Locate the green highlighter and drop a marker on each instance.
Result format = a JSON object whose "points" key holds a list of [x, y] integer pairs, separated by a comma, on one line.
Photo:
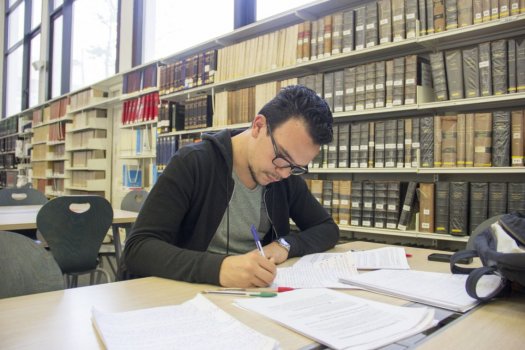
{"points": [[239, 292]]}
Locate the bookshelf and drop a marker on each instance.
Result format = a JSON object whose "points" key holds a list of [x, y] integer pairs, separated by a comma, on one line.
{"points": [[9, 135], [422, 44], [88, 144]]}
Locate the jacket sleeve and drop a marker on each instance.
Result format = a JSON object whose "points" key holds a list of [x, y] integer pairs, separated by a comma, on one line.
{"points": [[154, 247], [317, 230]]}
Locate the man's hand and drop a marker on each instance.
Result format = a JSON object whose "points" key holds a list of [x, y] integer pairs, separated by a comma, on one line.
{"points": [[275, 251], [247, 271]]}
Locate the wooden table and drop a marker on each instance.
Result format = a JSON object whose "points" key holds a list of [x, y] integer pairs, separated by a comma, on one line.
{"points": [[62, 319], [21, 217]]}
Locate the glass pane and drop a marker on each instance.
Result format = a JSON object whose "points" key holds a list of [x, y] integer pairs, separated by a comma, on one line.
{"points": [[14, 82], [167, 31], [57, 3], [36, 15], [94, 44], [268, 8], [34, 74], [11, 2], [15, 25], [56, 65]]}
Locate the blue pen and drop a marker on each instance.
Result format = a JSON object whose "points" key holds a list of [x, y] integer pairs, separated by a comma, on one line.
{"points": [[256, 239]]}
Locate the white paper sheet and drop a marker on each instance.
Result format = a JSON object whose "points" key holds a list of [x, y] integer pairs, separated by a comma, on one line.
{"points": [[339, 320], [196, 324]]}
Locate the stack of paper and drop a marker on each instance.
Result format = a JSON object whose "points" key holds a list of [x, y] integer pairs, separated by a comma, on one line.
{"points": [[433, 288], [196, 324], [339, 320]]}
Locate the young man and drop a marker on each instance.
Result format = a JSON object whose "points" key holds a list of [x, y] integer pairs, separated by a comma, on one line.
{"points": [[195, 224]]}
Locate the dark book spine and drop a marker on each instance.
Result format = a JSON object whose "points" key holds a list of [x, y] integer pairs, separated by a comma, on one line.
{"points": [[411, 17], [338, 91], [327, 196], [499, 66], [516, 197], [442, 207], [332, 149], [411, 78], [518, 133], [454, 64], [501, 138], [439, 76], [344, 145], [426, 132], [422, 4], [497, 198], [390, 143], [471, 71], [328, 87], [479, 204], [360, 22], [349, 86], [363, 145], [385, 21], [400, 143], [520, 60], [371, 144], [370, 89], [380, 203], [483, 140], [451, 14], [398, 20], [512, 68], [393, 204], [379, 157], [399, 81], [430, 16], [368, 204], [389, 84], [459, 208], [415, 148], [360, 85], [408, 206], [355, 140], [485, 69], [348, 31], [371, 23], [356, 203], [380, 87]]}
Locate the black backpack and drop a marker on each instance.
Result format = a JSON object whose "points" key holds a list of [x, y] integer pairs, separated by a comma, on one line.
{"points": [[508, 266]]}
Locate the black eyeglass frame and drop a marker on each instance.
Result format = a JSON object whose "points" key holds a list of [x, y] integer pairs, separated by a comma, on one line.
{"points": [[294, 169]]}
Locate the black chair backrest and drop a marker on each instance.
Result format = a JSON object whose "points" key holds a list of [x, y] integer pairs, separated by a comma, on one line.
{"points": [[133, 200], [74, 234], [21, 196], [26, 267]]}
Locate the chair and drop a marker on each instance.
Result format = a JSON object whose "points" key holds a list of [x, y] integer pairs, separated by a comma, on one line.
{"points": [[74, 228], [22, 196], [132, 201], [26, 267], [480, 228]]}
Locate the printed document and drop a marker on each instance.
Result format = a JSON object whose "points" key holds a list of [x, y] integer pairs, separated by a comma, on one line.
{"points": [[339, 320], [195, 324], [380, 258], [444, 290]]}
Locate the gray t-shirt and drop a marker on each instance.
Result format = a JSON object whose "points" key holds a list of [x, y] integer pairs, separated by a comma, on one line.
{"points": [[246, 208]]}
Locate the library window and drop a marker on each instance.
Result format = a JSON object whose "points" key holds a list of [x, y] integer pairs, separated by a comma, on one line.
{"points": [[56, 65], [170, 27], [94, 41], [14, 82], [34, 70], [36, 15], [268, 8]]}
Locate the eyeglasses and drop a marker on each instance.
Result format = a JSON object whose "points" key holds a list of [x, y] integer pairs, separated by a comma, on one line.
{"points": [[281, 162]]}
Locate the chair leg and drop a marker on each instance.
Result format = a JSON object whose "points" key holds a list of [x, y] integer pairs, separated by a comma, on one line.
{"points": [[103, 272]]}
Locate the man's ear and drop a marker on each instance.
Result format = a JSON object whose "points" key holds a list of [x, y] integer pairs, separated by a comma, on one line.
{"points": [[258, 124]]}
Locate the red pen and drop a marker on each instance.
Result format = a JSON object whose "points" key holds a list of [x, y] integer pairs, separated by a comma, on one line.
{"points": [[408, 255], [283, 289]]}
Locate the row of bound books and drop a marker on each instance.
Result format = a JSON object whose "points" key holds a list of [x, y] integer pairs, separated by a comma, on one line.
{"points": [[140, 109], [485, 139], [140, 79], [490, 68], [8, 126], [373, 85], [8, 144], [168, 145], [55, 110], [187, 73], [455, 208], [386, 21]]}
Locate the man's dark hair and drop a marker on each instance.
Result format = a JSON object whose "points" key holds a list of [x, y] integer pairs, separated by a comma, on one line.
{"points": [[297, 101]]}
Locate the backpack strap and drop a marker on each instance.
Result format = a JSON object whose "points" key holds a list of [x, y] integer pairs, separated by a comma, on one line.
{"points": [[461, 255], [474, 277]]}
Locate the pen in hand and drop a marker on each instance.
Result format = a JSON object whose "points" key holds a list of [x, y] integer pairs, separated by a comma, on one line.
{"points": [[256, 239]]}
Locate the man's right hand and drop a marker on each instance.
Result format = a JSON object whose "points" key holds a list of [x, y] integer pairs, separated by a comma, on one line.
{"points": [[247, 271]]}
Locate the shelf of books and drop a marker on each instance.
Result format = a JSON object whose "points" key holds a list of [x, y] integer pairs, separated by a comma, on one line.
{"points": [[9, 151], [48, 147], [436, 100], [88, 144], [136, 126]]}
